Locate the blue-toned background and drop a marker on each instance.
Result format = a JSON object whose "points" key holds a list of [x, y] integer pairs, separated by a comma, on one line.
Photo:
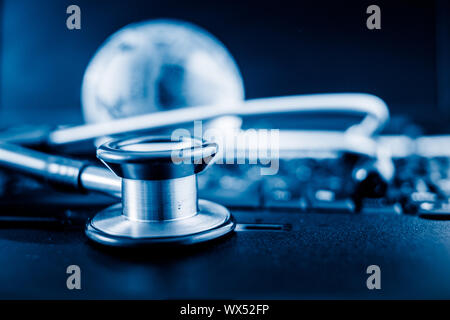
{"points": [[281, 47]]}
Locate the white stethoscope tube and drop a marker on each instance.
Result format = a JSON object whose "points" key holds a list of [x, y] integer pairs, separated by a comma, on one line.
{"points": [[375, 109]]}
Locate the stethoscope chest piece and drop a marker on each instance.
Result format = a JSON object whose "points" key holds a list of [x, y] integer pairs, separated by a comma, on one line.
{"points": [[159, 195]]}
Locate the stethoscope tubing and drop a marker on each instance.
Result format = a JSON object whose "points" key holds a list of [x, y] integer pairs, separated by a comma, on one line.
{"points": [[376, 111]]}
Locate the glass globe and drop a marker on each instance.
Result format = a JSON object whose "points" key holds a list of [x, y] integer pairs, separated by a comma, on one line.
{"points": [[158, 65]]}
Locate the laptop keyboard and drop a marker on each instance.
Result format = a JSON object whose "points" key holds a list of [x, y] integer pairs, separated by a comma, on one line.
{"points": [[420, 185]]}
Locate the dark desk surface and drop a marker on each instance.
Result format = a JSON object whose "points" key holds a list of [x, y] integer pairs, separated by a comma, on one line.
{"points": [[322, 256]]}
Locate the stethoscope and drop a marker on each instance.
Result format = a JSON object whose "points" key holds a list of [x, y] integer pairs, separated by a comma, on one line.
{"points": [[159, 194], [156, 179], [159, 202]]}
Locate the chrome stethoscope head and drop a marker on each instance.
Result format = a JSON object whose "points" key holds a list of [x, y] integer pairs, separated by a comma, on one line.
{"points": [[159, 194]]}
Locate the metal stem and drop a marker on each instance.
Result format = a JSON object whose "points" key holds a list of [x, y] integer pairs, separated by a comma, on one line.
{"points": [[158, 200], [64, 172]]}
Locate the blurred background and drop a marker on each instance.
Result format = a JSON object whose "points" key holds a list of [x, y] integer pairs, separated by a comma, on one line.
{"points": [[281, 48]]}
